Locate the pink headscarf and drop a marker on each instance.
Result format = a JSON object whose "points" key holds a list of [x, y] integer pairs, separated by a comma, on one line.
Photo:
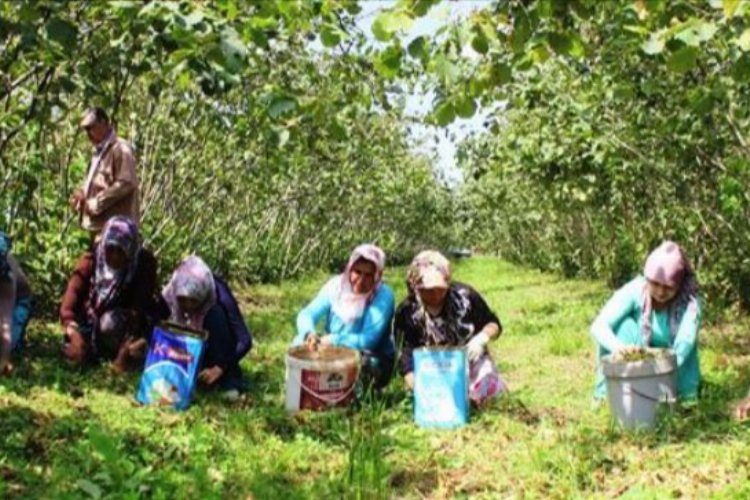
{"points": [[668, 266], [350, 306], [193, 279]]}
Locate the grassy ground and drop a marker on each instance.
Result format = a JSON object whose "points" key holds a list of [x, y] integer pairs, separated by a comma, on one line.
{"points": [[68, 434]]}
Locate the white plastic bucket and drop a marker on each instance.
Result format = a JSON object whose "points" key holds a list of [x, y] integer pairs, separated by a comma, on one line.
{"points": [[636, 389], [320, 379]]}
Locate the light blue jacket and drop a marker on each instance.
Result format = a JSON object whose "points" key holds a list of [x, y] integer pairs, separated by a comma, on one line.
{"points": [[372, 332]]}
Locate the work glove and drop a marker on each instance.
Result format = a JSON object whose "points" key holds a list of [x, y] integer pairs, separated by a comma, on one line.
{"points": [[477, 345]]}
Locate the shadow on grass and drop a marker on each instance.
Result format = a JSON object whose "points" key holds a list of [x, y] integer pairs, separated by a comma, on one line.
{"points": [[41, 365]]}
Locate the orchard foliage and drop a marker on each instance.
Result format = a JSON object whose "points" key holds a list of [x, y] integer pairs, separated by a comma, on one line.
{"points": [[265, 141], [624, 123], [271, 136]]}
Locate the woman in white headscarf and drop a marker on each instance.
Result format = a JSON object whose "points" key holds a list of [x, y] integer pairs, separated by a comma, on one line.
{"points": [[357, 309]]}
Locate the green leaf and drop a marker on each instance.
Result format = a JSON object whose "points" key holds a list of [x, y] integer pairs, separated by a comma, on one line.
{"points": [[418, 49], [539, 54], [730, 7], [566, 44], [702, 104], [560, 43], [330, 36], [91, 489], [479, 44], [623, 93], [282, 137], [521, 33], [233, 49], [697, 33], [195, 17], [380, 32], [353, 7], [743, 42], [477, 86], [654, 45], [683, 60], [62, 32], [445, 69], [545, 8], [465, 107], [444, 113], [421, 7], [500, 74], [741, 69], [388, 23], [123, 4], [338, 131], [388, 62], [280, 105]]}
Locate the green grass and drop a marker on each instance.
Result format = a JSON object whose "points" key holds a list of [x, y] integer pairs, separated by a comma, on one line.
{"points": [[65, 434]]}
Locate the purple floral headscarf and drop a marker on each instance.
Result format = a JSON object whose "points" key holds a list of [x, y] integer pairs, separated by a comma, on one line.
{"points": [[119, 232], [192, 279]]}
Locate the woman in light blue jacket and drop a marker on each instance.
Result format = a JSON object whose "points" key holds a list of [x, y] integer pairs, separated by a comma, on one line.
{"points": [[659, 309], [356, 308]]}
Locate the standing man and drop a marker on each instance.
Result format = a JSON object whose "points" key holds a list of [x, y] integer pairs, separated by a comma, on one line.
{"points": [[111, 186]]}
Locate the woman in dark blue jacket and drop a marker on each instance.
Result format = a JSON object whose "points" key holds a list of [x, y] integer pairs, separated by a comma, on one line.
{"points": [[197, 299]]}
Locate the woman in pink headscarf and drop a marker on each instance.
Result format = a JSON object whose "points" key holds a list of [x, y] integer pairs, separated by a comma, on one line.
{"points": [[356, 308], [659, 309]]}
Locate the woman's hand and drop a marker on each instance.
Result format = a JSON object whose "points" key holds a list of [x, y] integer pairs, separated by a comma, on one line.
{"points": [[75, 347], [409, 380], [137, 348], [477, 345], [209, 376], [312, 340], [6, 367], [76, 200]]}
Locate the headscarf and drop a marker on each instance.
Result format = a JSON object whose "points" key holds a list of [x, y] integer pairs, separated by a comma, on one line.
{"points": [[449, 328], [427, 264], [192, 279], [120, 232], [668, 266], [5, 245], [348, 305]]}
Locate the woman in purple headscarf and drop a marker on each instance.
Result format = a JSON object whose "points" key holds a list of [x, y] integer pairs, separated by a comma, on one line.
{"points": [[105, 309], [198, 299], [356, 309], [659, 309]]}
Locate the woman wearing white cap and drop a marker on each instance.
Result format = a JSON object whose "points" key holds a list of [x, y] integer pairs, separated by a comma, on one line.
{"points": [[439, 312]]}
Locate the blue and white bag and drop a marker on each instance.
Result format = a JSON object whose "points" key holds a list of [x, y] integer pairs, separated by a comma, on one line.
{"points": [[172, 363], [441, 387]]}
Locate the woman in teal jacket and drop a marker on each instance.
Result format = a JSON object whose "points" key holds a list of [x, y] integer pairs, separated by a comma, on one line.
{"points": [[659, 309], [357, 310]]}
